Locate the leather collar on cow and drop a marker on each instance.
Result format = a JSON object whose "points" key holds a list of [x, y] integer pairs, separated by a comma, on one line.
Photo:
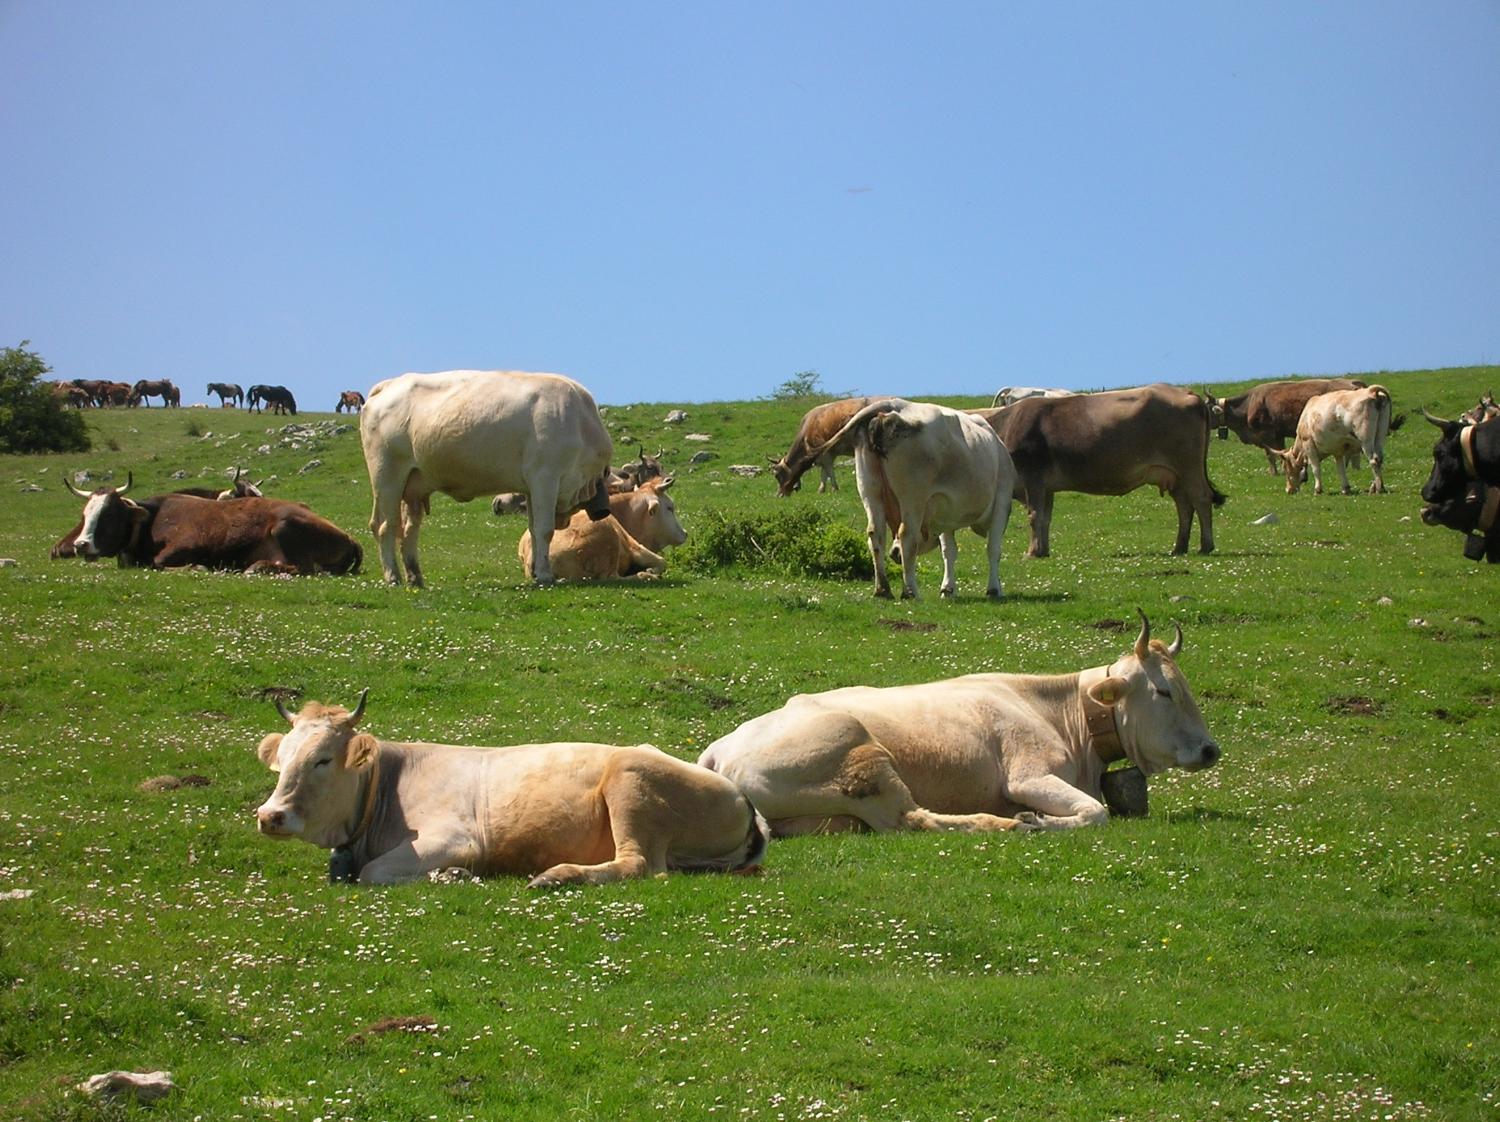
{"points": [[1104, 733], [1491, 506], [372, 793]]}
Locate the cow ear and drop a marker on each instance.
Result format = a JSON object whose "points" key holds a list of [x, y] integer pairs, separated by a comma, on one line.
{"points": [[1107, 691], [361, 751], [137, 511], [269, 747]]}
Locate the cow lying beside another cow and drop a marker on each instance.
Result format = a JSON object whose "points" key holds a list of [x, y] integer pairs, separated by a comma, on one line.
{"points": [[981, 752], [642, 524], [255, 534], [570, 813]]}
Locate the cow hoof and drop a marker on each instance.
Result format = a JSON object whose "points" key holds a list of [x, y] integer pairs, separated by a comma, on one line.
{"points": [[883, 594], [994, 594], [1027, 820], [908, 594]]}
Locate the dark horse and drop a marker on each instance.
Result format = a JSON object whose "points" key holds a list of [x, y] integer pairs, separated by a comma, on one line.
{"points": [[229, 393]]}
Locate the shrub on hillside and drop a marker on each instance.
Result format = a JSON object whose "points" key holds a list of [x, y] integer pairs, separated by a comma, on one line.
{"points": [[802, 541], [32, 418]]}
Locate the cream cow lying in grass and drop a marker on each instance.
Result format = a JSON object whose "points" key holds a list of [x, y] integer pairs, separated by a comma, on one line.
{"points": [[559, 813], [981, 752]]}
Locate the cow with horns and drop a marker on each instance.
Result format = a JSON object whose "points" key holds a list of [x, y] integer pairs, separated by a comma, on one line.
{"points": [[1463, 491]]}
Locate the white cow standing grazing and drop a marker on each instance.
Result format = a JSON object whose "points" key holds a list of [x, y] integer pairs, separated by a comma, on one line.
{"points": [[560, 813], [981, 752], [1340, 424], [478, 432], [926, 471]]}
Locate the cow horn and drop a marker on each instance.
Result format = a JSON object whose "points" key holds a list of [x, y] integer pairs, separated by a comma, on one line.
{"points": [[773, 459], [1438, 421], [665, 481], [281, 708], [68, 483], [1175, 647], [129, 479], [359, 710], [1143, 641]]}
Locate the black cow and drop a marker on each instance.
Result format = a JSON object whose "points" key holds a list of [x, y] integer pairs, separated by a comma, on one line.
{"points": [[252, 533], [278, 398], [1463, 491]]}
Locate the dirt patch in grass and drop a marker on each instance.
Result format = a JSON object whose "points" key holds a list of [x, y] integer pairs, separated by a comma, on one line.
{"points": [[173, 782], [282, 694], [1108, 625], [907, 624], [420, 1023], [1355, 706]]}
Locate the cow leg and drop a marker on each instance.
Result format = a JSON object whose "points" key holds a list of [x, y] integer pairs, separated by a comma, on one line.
{"points": [[1315, 465], [385, 519], [541, 515], [414, 859], [910, 534], [1341, 461], [1039, 514], [1274, 461], [413, 508], [870, 492], [949, 546], [827, 481], [1377, 462], [993, 541], [1057, 803], [1184, 520], [874, 792]]}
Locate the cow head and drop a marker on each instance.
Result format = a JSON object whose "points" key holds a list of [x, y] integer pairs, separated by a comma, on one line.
{"points": [[787, 480], [110, 520], [1449, 494], [1155, 713], [241, 488], [661, 511], [323, 765], [1295, 467]]}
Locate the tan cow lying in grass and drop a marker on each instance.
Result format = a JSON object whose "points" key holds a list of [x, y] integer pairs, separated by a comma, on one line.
{"points": [[559, 813], [981, 752], [642, 524], [1340, 424]]}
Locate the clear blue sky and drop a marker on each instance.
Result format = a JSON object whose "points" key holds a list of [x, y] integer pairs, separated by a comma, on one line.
{"points": [[695, 201]]}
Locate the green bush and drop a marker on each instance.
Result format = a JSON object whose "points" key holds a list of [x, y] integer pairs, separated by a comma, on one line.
{"points": [[32, 419], [803, 542]]}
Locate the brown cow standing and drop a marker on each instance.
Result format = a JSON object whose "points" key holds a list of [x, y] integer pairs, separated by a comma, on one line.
{"points": [[1267, 415], [1110, 443], [810, 446]]}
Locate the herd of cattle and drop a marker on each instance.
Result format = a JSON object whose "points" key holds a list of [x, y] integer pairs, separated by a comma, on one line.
{"points": [[1013, 751]]}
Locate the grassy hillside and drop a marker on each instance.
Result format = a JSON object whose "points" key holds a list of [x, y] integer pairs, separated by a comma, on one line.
{"points": [[1309, 930]]}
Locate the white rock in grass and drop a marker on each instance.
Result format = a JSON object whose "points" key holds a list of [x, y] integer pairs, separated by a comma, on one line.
{"points": [[749, 471], [145, 1086], [1266, 520], [1385, 601], [675, 417], [8, 562], [309, 466], [699, 437], [18, 894]]}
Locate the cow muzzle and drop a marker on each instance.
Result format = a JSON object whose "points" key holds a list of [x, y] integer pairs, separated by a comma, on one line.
{"points": [[276, 823], [1207, 755]]}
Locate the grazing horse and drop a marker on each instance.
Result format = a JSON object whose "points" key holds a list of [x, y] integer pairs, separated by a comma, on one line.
{"points": [[352, 400], [160, 387], [278, 398], [229, 393]]}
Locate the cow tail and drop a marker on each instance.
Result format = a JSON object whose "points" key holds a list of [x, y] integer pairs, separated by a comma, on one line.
{"points": [[359, 559], [1383, 403]]}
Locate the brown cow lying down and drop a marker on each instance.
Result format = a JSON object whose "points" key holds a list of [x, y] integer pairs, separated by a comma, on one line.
{"points": [[558, 813], [630, 542], [981, 752]]}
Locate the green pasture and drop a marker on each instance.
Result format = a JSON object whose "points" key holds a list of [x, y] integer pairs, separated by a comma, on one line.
{"points": [[1307, 931]]}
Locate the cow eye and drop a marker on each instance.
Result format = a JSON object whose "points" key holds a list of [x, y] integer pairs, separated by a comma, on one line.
{"points": [[1162, 691], [324, 762]]}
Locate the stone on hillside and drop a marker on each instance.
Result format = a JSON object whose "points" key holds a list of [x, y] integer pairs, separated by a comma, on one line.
{"points": [[1266, 520], [309, 466], [699, 437], [264, 449], [82, 477], [8, 562], [675, 417], [30, 487], [178, 474], [703, 457], [748, 471], [144, 1086]]}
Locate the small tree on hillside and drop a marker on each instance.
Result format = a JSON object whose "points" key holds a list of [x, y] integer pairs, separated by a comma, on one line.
{"points": [[805, 383], [32, 418]]}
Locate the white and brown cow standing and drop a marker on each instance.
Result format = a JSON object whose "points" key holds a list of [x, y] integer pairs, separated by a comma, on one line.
{"points": [[813, 445], [926, 471], [569, 813], [642, 524], [1341, 424], [981, 752], [479, 432]]}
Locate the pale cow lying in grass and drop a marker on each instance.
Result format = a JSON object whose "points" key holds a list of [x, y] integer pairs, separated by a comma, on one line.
{"points": [[560, 813], [630, 542], [981, 752], [1340, 424]]}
